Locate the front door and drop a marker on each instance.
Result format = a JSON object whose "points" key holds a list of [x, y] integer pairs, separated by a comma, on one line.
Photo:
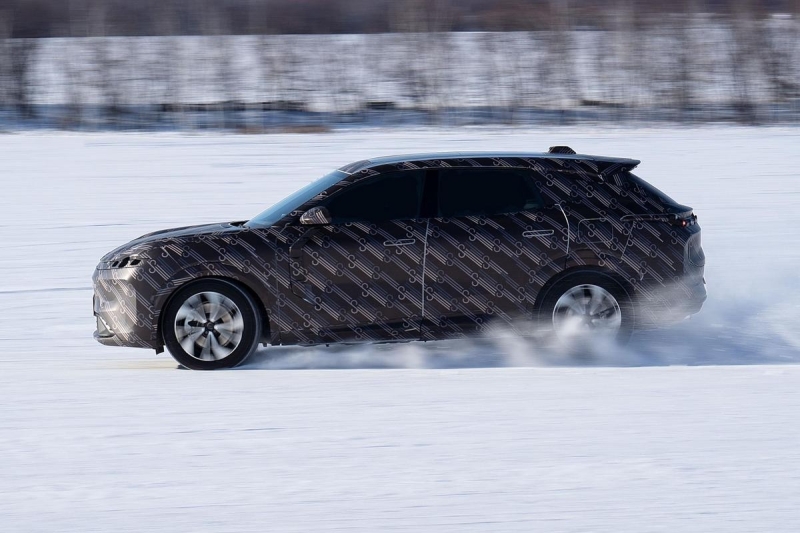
{"points": [[492, 246], [360, 278]]}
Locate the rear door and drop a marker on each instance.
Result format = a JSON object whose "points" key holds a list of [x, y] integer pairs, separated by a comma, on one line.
{"points": [[492, 244]]}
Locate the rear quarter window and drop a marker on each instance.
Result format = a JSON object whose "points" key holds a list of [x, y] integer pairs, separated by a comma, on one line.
{"points": [[643, 189]]}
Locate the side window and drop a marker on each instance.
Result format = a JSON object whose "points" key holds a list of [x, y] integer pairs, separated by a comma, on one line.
{"points": [[486, 191], [390, 196]]}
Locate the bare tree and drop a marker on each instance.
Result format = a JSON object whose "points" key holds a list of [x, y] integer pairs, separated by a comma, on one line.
{"points": [[742, 44], [492, 56], [108, 64], [777, 49], [517, 72], [685, 67], [5, 59], [23, 56], [410, 18], [428, 51], [17, 58], [558, 70], [166, 67], [268, 62]]}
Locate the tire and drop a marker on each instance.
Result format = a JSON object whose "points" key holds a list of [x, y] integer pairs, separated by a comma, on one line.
{"points": [[587, 307], [211, 324]]}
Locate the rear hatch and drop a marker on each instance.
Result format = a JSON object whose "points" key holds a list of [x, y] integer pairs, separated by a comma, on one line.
{"points": [[676, 213]]}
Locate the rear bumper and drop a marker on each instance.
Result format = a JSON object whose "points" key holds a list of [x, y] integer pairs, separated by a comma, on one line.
{"points": [[670, 304], [697, 297]]}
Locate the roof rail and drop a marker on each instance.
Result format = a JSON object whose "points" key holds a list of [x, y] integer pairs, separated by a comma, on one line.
{"points": [[561, 150]]}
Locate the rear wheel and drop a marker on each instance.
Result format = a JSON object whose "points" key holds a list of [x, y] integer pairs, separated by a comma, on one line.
{"points": [[587, 307], [211, 324]]}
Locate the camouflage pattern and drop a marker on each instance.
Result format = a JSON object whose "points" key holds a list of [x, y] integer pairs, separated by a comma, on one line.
{"points": [[425, 278]]}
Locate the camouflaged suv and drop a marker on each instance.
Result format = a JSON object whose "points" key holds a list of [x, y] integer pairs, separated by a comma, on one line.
{"points": [[415, 247]]}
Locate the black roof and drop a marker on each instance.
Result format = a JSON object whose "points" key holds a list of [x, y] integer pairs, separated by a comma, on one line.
{"points": [[449, 156]]}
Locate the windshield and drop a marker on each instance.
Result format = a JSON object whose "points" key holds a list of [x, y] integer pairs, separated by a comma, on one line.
{"points": [[293, 201]]}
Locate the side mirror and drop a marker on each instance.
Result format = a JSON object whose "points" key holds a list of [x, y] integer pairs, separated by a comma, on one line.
{"points": [[315, 216]]}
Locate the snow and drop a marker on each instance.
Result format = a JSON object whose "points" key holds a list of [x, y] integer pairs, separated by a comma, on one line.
{"points": [[689, 429]]}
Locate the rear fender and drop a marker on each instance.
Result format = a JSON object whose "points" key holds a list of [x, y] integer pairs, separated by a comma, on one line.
{"points": [[624, 283]]}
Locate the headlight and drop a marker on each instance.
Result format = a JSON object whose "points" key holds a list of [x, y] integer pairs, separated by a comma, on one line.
{"points": [[121, 262]]}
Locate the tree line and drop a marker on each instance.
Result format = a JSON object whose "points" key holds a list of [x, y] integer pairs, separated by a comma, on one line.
{"points": [[84, 18], [738, 64]]}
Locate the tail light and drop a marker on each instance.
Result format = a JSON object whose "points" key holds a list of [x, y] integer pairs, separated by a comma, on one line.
{"points": [[684, 220]]}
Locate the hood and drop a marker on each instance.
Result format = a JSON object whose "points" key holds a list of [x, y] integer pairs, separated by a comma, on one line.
{"points": [[148, 240], [188, 231]]}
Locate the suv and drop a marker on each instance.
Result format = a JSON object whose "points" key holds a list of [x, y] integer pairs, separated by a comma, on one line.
{"points": [[415, 247]]}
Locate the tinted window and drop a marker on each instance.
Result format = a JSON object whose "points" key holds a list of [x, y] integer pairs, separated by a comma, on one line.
{"points": [[486, 191], [391, 196]]}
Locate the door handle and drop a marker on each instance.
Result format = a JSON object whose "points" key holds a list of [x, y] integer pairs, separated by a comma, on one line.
{"points": [[538, 233], [400, 242]]}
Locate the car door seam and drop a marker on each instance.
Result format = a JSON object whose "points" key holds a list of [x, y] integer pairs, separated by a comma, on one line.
{"points": [[566, 218], [424, 262]]}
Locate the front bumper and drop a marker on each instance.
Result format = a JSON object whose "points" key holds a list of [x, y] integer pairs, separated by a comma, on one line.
{"points": [[103, 330], [122, 312]]}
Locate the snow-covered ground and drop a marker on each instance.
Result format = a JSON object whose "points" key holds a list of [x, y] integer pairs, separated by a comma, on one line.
{"points": [[689, 429]]}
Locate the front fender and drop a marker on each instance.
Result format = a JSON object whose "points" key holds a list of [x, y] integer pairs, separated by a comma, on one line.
{"points": [[257, 283]]}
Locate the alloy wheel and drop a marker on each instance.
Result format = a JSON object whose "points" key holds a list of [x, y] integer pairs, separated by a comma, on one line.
{"points": [[209, 326], [587, 311]]}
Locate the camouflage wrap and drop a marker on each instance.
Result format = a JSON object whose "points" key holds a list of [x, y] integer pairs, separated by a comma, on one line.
{"points": [[417, 279]]}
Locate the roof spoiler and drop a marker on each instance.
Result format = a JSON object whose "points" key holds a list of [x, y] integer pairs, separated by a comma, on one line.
{"points": [[609, 167]]}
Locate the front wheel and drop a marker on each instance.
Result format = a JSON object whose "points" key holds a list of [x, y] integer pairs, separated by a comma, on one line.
{"points": [[211, 324], [587, 307]]}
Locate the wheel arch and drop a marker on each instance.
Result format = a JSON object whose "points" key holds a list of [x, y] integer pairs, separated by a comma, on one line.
{"points": [[266, 327], [575, 271]]}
